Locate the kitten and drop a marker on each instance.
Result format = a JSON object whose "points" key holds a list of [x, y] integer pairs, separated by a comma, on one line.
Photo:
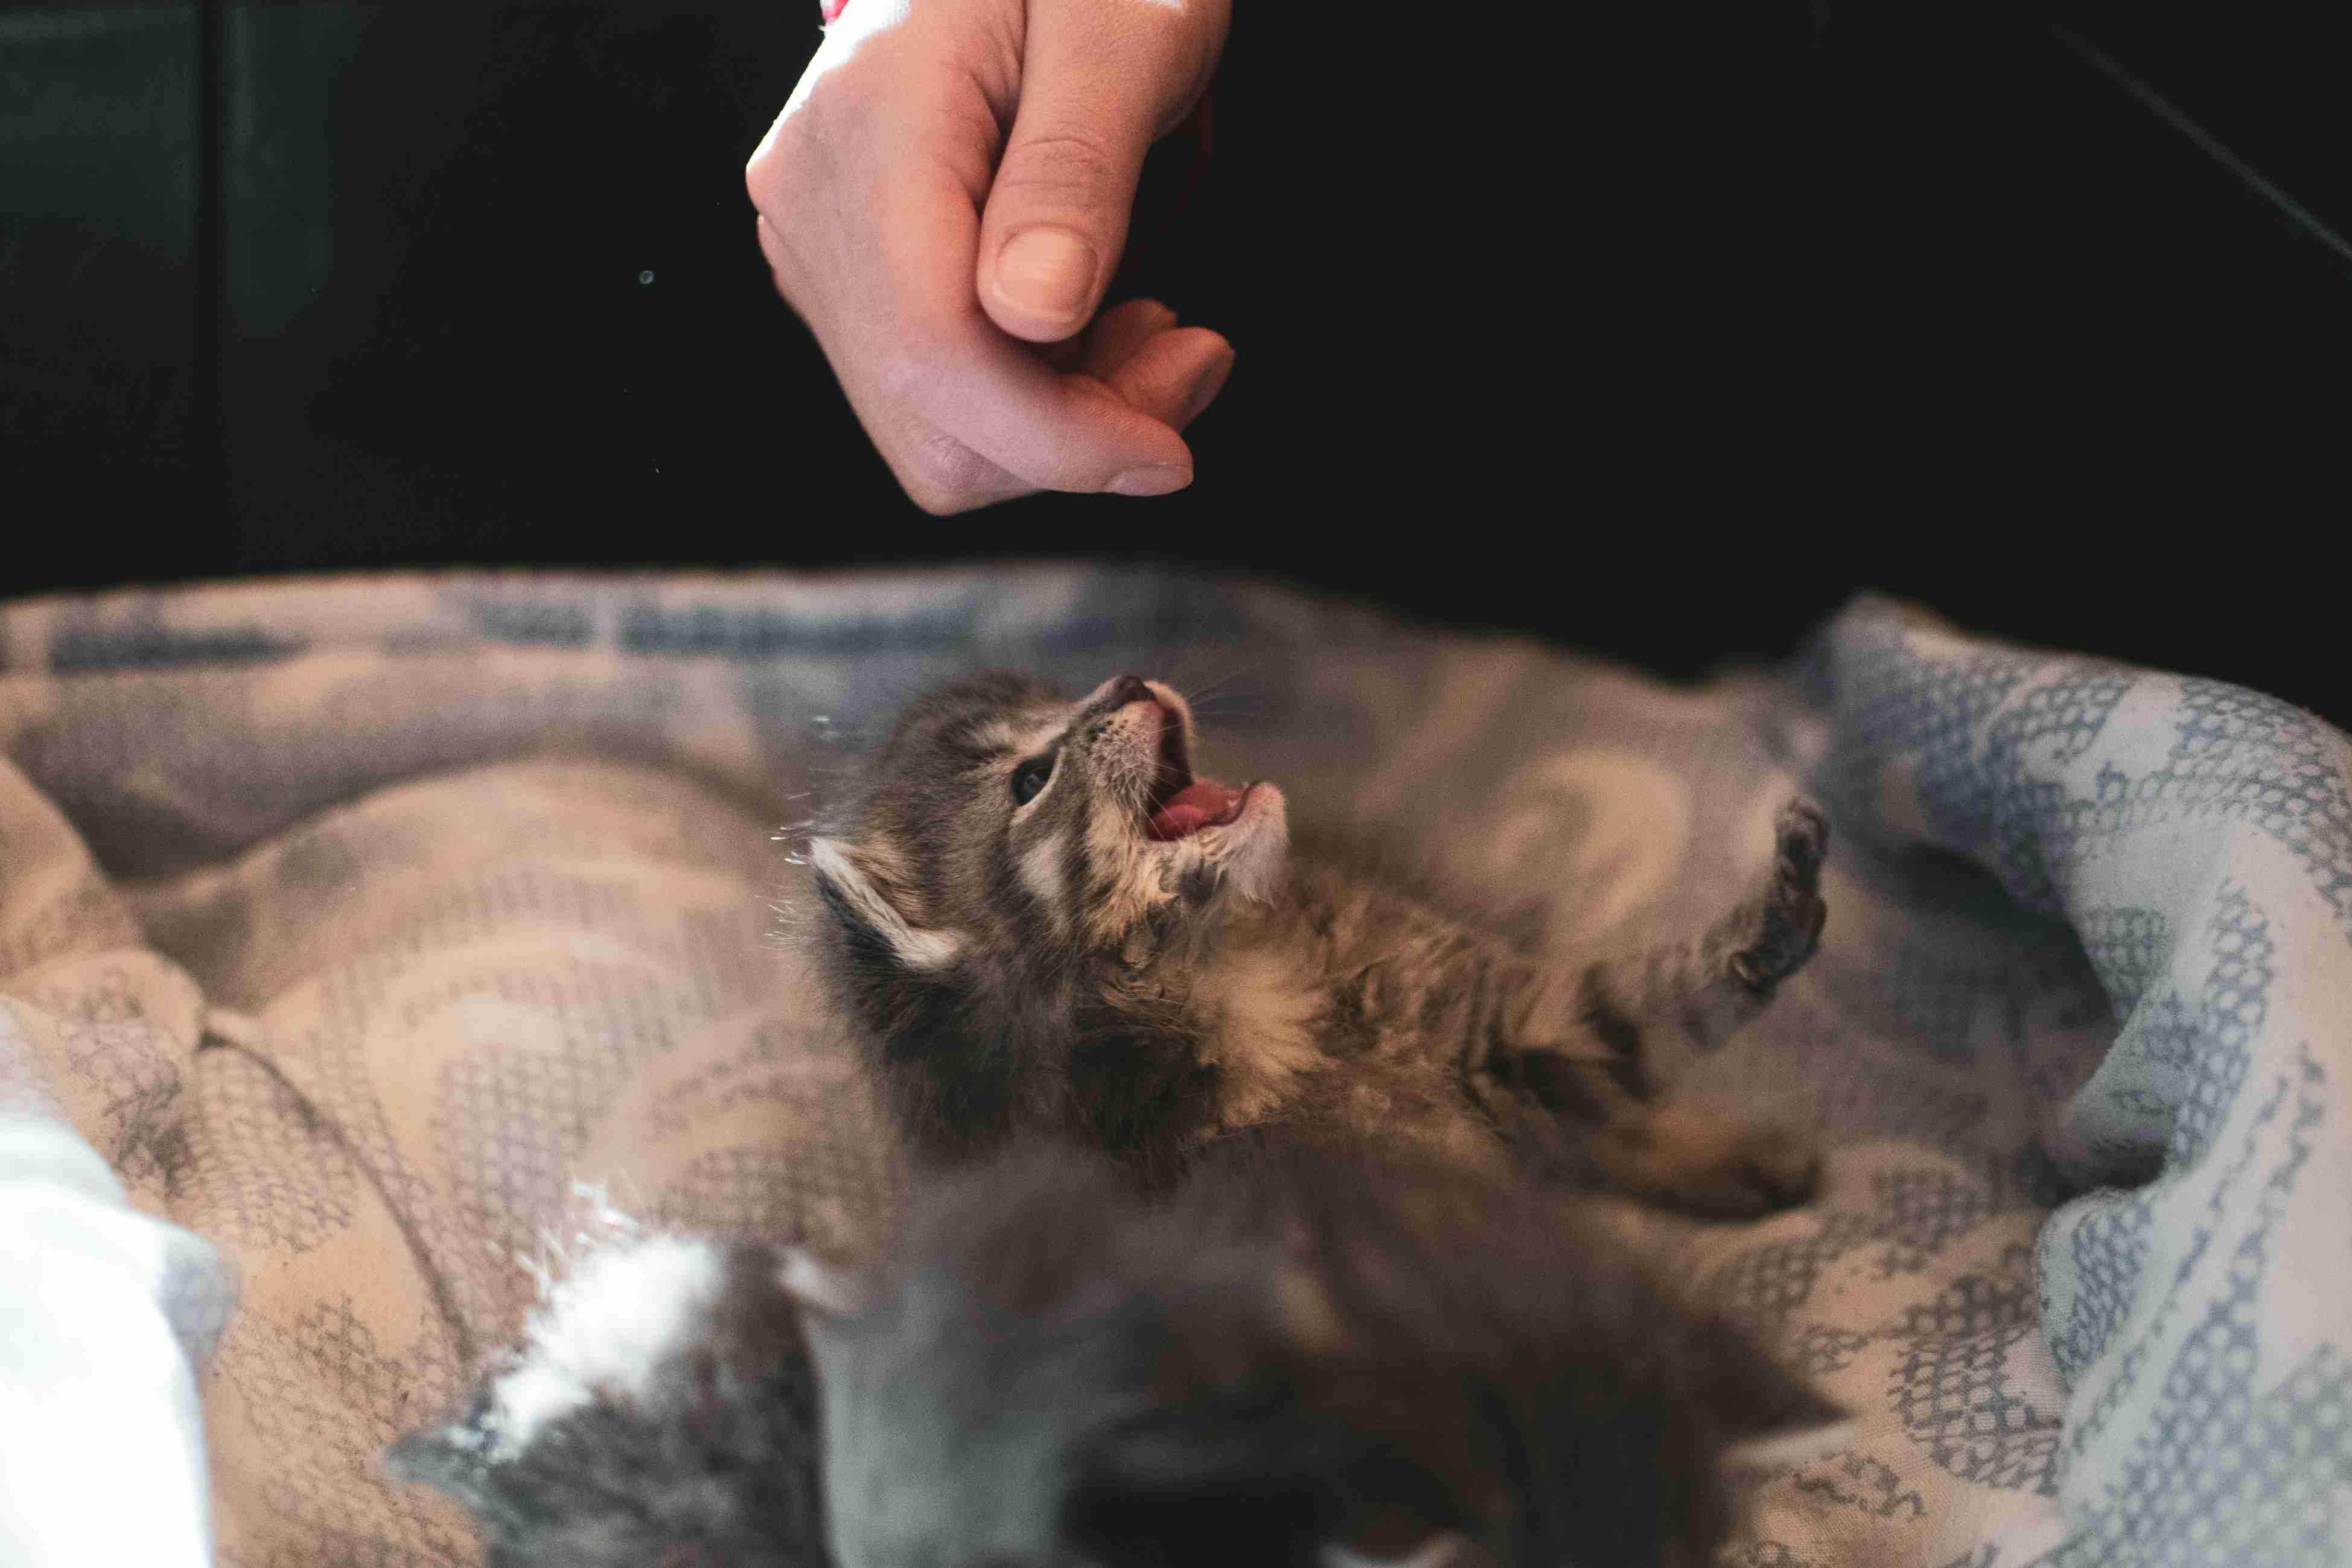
{"points": [[1303, 1355], [1045, 920], [1300, 1356], [660, 1412]]}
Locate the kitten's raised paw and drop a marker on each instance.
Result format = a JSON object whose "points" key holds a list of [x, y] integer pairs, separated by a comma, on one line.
{"points": [[1790, 913]]}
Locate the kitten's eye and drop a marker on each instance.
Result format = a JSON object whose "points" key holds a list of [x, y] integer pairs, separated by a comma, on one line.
{"points": [[1030, 778]]}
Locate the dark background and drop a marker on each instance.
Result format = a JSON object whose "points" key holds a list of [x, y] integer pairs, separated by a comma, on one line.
{"points": [[1655, 331]]}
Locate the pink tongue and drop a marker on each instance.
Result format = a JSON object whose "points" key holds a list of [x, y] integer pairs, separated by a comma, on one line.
{"points": [[1188, 809]]}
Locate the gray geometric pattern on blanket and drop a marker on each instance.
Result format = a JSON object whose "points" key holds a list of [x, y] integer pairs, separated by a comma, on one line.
{"points": [[2226, 1471], [112, 1046], [795, 1194], [324, 1402], [2237, 754], [1950, 1382], [1858, 1481], [1977, 792], [514, 1120], [1912, 1215], [1955, 1396], [2212, 1421], [2128, 948], [2110, 1242], [274, 1175], [2242, 755]]}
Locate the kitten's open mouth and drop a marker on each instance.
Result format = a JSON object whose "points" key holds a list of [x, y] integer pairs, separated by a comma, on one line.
{"points": [[1180, 804]]}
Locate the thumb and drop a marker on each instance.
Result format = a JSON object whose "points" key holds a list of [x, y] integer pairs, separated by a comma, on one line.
{"points": [[1094, 92]]}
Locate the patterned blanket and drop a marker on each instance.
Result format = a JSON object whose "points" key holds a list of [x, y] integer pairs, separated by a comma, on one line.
{"points": [[364, 926]]}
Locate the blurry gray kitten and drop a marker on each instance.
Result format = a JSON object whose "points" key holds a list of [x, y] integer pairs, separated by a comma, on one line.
{"points": [[1045, 920], [1300, 1356], [660, 1412]]}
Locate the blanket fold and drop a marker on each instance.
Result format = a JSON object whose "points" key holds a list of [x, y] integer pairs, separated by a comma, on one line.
{"points": [[2197, 837]]}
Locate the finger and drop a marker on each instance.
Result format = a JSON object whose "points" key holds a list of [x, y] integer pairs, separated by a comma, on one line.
{"points": [[1174, 375], [881, 270], [771, 244], [1051, 429], [938, 472], [1120, 331], [1095, 83], [943, 370], [1166, 374]]}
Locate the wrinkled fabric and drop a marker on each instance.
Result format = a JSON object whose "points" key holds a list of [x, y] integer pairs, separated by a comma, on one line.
{"points": [[108, 1310], [369, 928]]}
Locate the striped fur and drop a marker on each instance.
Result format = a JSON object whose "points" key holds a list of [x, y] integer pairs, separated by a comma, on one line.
{"points": [[1049, 965]]}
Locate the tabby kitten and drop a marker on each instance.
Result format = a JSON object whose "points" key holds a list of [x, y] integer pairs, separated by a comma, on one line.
{"points": [[1045, 920]]}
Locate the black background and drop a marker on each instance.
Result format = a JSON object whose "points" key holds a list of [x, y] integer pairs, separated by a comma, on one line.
{"points": [[1657, 332]]}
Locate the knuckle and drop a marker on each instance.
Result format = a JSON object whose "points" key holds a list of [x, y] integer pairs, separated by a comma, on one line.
{"points": [[803, 219], [939, 503], [760, 170], [774, 163], [1071, 165], [810, 145], [785, 272], [943, 474]]}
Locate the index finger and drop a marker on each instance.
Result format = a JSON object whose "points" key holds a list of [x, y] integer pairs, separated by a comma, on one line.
{"points": [[954, 370]]}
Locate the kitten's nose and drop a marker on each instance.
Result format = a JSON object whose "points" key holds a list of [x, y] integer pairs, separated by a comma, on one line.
{"points": [[1130, 688]]}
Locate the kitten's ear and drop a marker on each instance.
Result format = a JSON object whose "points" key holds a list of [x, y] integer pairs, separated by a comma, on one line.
{"points": [[860, 899]]}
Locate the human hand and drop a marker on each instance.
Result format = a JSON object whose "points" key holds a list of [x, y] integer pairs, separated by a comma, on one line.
{"points": [[954, 290]]}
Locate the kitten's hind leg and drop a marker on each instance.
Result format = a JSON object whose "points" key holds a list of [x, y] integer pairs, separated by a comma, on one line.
{"points": [[1634, 1023], [1705, 1165]]}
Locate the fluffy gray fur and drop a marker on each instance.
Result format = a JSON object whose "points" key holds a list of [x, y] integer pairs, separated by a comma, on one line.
{"points": [[705, 1459], [1301, 1356], [1052, 965]]}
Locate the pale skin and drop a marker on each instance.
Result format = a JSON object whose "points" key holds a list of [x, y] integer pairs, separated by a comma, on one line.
{"points": [[944, 200]]}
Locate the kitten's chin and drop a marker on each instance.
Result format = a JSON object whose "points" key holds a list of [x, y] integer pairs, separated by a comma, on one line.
{"points": [[1253, 849]]}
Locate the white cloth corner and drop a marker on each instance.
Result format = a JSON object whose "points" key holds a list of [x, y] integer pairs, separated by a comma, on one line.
{"points": [[104, 1316]]}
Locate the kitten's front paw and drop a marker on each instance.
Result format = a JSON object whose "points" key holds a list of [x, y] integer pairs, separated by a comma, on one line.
{"points": [[1790, 912]]}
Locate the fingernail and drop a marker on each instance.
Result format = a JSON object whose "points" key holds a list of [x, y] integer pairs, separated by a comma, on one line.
{"points": [[1048, 272], [1205, 390], [1158, 479]]}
